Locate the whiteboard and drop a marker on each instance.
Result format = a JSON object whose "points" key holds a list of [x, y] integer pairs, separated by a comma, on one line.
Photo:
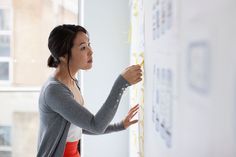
{"points": [[190, 78]]}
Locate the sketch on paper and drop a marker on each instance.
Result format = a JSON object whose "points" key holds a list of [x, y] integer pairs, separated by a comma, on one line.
{"points": [[163, 102], [162, 17]]}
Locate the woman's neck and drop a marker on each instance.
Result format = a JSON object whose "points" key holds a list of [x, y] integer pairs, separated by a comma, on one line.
{"points": [[62, 74]]}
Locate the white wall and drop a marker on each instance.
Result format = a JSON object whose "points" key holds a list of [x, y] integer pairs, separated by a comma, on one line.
{"points": [[107, 23]]}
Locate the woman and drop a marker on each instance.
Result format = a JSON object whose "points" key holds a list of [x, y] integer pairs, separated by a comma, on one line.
{"points": [[63, 117]]}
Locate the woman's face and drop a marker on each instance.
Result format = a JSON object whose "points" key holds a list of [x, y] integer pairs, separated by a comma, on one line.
{"points": [[81, 53]]}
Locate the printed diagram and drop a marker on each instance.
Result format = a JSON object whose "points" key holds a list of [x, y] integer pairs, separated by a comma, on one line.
{"points": [[162, 17], [163, 102], [198, 64]]}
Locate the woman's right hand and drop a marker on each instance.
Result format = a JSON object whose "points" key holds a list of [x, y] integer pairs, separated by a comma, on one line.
{"points": [[132, 74]]}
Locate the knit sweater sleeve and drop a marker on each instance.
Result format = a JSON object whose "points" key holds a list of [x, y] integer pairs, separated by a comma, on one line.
{"points": [[110, 129], [60, 100]]}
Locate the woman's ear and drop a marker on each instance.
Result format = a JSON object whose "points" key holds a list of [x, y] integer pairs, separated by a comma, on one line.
{"points": [[63, 59]]}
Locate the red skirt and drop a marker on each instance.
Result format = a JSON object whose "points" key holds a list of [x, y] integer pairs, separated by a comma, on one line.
{"points": [[71, 149]]}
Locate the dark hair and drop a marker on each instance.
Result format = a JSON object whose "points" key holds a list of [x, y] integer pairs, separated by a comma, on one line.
{"points": [[60, 42]]}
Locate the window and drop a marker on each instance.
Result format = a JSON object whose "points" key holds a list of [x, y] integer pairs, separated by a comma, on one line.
{"points": [[23, 67], [5, 45], [4, 19], [5, 141], [4, 70]]}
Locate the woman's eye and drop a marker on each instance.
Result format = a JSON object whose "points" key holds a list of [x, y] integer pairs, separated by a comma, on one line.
{"points": [[82, 48]]}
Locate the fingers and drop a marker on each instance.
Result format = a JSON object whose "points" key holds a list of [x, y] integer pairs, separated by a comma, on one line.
{"points": [[133, 122], [136, 67], [138, 74], [137, 80], [133, 74], [132, 112], [133, 109], [133, 115]]}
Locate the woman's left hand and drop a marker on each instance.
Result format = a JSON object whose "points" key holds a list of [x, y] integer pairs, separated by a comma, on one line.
{"points": [[128, 119]]}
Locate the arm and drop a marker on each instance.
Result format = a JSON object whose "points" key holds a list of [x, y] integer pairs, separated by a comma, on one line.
{"points": [[111, 128], [124, 124], [59, 99]]}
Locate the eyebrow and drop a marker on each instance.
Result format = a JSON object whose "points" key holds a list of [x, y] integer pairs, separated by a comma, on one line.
{"points": [[83, 43]]}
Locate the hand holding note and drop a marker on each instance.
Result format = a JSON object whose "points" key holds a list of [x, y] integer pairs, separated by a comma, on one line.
{"points": [[133, 74]]}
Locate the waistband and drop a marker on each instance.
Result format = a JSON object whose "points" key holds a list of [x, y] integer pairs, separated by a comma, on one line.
{"points": [[71, 149]]}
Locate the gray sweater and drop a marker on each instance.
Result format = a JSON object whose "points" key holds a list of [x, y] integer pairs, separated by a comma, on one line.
{"points": [[58, 109]]}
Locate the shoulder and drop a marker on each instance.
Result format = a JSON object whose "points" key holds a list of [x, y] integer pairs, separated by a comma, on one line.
{"points": [[54, 93], [54, 89]]}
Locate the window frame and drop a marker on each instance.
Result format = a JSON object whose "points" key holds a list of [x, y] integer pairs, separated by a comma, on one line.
{"points": [[8, 58]]}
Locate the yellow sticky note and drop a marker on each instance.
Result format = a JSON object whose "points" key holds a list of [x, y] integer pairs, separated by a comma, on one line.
{"points": [[141, 64]]}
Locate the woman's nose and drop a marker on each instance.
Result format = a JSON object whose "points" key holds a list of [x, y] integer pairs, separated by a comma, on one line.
{"points": [[90, 51]]}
